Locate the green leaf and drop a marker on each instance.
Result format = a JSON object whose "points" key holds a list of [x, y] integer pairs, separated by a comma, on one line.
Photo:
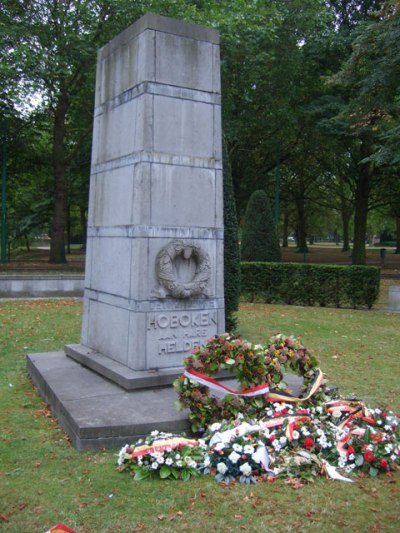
{"points": [[185, 475], [359, 460], [178, 405], [165, 472], [141, 474], [373, 471]]}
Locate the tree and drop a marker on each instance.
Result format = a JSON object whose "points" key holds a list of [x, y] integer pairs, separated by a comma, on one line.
{"points": [[231, 251], [50, 49], [259, 237], [370, 110]]}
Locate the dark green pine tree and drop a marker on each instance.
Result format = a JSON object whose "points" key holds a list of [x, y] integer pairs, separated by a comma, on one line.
{"points": [[259, 237], [231, 250]]}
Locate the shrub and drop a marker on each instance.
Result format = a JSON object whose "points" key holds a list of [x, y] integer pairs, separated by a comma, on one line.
{"points": [[231, 251], [305, 284], [259, 237]]}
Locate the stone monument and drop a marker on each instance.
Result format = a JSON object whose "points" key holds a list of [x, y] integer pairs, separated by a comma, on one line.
{"points": [[154, 270], [154, 267]]}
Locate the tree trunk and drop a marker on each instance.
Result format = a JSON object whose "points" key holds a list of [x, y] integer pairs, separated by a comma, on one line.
{"points": [[301, 225], [346, 215], [361, 215], [83, 226], [397, 251], [57, 243], [285, 229]]}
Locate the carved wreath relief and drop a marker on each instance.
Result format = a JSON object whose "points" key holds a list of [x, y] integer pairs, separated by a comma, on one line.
{"points": [[182, 269]]}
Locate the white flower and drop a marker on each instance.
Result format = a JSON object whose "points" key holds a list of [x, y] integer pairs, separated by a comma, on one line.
{"points": [[276, 446], [154, 433], [245, 469], [202, 444], [219, 446], [351, 457], [154, 465], [188, 459], [234, 457], [295, 435], [207, 461], [177, 456], [192, 464], [222, 468], [215, 427], [179, 464], [270, 412], [160, 460], [393, 457], [248, 448], [283, 441], [237, 447], [168, 461]]}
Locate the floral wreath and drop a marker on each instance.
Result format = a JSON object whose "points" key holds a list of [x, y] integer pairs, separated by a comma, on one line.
{"points": [[255, 367]]}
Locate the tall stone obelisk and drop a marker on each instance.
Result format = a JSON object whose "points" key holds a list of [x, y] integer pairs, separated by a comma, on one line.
{"points": [[154, 270]]}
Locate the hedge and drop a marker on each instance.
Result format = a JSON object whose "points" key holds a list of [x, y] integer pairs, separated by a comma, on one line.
{"points": [[307, 284]]}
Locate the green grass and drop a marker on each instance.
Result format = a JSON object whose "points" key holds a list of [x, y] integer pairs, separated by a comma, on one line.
{"points": [[43, 480]]}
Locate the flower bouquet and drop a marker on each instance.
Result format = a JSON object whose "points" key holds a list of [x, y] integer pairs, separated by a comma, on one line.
{"points": [[163, 455], [236, 451]]}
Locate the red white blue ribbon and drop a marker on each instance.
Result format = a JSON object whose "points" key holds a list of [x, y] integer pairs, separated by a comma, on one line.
{"points": [[215, 385]]}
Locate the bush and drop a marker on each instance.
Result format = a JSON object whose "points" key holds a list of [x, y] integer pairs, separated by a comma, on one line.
{"points": [[305, 284], [231, 250], [259, 237]]}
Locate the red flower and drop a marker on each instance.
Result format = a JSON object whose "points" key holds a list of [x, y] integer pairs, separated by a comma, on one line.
{"points": [[308, 443], [383, 464], [350, 450], [272, 438], [377, 437], [369, 456]]}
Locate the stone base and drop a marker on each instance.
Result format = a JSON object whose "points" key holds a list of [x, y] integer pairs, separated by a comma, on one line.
{"points": [[120, 374], [96, 413]]}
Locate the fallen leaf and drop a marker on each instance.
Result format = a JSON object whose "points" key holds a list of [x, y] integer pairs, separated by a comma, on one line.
{"points": [[40, 492], [22, 506], [295, 483], [3, 517], [161, 517], [139, 527]]}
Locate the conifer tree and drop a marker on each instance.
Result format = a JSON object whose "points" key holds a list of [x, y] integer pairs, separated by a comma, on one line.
{"points": [[259, 236], [231, 250]]}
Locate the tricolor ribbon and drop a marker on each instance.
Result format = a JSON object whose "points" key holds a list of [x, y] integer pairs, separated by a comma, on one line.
{"points": [[279, 396], [162, 445], [273, 395], [215, 385]]}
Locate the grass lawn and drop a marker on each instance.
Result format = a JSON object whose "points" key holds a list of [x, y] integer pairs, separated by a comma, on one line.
{"points": [[43, 480]]}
